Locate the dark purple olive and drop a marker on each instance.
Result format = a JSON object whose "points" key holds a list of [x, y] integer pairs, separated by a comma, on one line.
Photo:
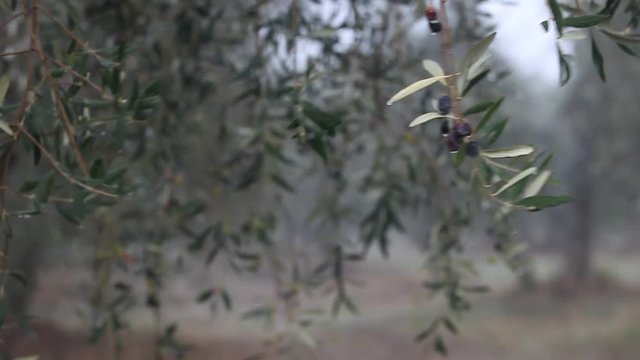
{"points": [[444, 104], [473, 148], [453, 144], [444, 127], [435, 26], [461, 129]]}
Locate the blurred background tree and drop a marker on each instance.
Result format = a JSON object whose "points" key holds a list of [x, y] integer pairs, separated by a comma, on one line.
{"points": [[255, 137]]}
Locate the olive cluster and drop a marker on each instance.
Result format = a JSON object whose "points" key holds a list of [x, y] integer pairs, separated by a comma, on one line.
{"points": [[432, 17], [459, 133]]}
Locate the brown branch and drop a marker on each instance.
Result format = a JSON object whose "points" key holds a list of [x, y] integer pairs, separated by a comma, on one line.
{"points": [[24, 102], [23, 106], [449, 62], [15, 16], [76, 74], [13, 53], [72, 35], [58, 168], [66, 122]]}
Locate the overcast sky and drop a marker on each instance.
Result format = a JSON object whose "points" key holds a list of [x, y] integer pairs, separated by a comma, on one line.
{"points": [[521, 39]]}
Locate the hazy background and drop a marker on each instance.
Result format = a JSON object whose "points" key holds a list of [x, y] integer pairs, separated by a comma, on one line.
{"points": [[592, 128]]}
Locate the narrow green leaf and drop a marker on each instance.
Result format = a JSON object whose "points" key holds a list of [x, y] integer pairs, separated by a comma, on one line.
{"points": [[5, 127], [204, 296], [282, 183], [541, 202], [44, 188], [516, 179], [473, 82], [427, 117], [546, 162], [263, 311], [424, 334], [582, 21], [349, 304], [489, 114], [476, 52], [325, 120], [416, 86], [610, 8], [478, 108], [448, 323], [251, 174], [508, 152], [478, 289], [545, 25], [68, 215], [440, 346], [536, 185], [460, 155], [226, 300], [557, 14], [495, 131], [4, 86], [19, 277], [28, 186], [316, 141], [565, 68], [598, 61], [621, 37], [627, 50]]}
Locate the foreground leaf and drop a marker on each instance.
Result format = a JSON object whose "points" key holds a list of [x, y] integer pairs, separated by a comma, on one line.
{"points": [[583, 21], [476, 52], [516, 179], [598, 61], [541, 202], [557, 14], [434, 69], [537, 184], [565, 68], [5, 127], [4, 86], [418, 85], [427, 117], [489, 113], [621, 37], [508, 152]]}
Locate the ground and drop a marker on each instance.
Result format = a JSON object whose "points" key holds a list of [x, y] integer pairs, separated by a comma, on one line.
{"points": [[601, 323]]}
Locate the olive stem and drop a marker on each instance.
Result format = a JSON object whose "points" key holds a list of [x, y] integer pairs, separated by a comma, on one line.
{"points": [[449, 63]]}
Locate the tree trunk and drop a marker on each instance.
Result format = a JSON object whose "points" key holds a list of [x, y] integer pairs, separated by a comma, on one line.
{"points": [[578, 248]]}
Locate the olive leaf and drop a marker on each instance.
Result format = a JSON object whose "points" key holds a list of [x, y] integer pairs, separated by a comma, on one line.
{"points": [[536, 185], [508, 152], [418, 85], [427, 117], [476, 52], [516, 179], [434, 69]]}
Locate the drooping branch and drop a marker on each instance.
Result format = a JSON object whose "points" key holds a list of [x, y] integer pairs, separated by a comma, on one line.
{"points": [[449, 62]]}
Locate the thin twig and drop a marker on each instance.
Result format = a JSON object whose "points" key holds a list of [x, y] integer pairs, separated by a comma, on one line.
{"points": [[58, 168], [18, 52], [72, 35], [76, 74], [15, 16], [66, 122]]}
